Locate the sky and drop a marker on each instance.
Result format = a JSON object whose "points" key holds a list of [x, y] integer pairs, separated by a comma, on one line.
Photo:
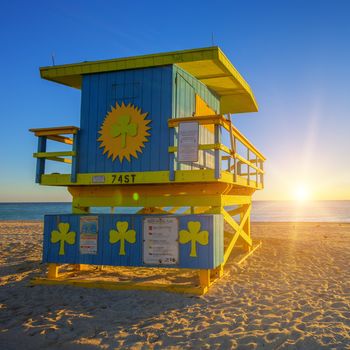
{"points": [[294, 54]]}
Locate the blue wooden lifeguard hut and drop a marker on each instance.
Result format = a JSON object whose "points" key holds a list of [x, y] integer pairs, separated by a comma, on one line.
{"points": [[156, 134]]}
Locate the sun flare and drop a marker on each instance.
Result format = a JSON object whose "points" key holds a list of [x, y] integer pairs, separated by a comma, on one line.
{"points": [[301, 192]]}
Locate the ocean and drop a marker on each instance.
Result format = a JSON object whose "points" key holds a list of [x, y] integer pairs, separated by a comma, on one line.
{"points": [[277, 211]]}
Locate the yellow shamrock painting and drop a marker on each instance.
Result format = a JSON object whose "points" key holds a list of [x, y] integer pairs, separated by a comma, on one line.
{"points": [[63, 236], [121, 235], [194, 235]]}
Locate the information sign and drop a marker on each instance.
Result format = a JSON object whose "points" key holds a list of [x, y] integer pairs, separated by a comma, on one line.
{"points": [[88, 234], [160, 241], [188, 142]]}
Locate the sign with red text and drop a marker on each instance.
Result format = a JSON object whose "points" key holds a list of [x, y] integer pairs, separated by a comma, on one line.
{"points": [[160, 241]]}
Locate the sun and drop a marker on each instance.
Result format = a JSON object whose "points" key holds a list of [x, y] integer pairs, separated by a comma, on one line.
{"points": [[301, 192], [124, 132]]}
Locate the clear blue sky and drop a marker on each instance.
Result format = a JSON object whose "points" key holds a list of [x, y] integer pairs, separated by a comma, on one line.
{"points": [[294, 54]]}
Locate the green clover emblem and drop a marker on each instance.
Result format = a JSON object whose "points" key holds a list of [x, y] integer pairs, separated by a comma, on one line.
{"points": [[194, 235], [63, 236], [122, 235], [124, 128]]}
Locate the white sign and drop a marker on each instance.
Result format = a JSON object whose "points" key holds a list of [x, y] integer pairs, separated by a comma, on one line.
{"points": [[88, 234], [160, 241], [98, 179], [188, 142]]}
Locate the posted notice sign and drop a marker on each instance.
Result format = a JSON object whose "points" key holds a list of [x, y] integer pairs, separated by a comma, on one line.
{"points": [[160, 241], [188, 142], [88, 234]]}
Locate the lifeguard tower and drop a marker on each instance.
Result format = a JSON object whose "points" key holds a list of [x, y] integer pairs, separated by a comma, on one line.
{"points": [[156, 134]]}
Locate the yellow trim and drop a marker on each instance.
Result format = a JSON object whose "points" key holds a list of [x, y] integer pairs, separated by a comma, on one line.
{"points": [[148, 177], [202, 120], [54, 154], [121, 285], [171, 195], [55, 130], [208, 65]]}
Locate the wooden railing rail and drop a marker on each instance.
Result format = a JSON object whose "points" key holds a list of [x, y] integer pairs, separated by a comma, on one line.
{"points": [[56, 134], [254, 159]]}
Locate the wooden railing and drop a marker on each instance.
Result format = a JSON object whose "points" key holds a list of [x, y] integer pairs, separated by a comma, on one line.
{"points": [[253, 159], [56, 134]]}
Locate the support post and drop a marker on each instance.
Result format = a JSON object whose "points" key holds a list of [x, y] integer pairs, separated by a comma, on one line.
{"points": [[52, 271], [217, 140], [81, 267], [219, 271], [248, 167], [235, 160], [171, 155], [74, 158], [40, 162], [204, 279]]}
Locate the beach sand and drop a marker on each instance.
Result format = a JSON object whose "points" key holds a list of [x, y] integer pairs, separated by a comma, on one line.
{"points": [[292, 293]]}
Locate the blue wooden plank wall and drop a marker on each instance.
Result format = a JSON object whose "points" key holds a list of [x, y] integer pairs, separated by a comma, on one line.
{"points": [[208, 256], [148, 88]]}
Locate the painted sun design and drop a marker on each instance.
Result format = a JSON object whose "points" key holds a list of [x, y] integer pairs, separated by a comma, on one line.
{"points": [[124, 132]]}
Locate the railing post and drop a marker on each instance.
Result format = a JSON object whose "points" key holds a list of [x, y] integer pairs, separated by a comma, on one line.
{"points": [[40, 163], [217, 140], [262, 174], [235, 159], [171, 155], [248, 167], [229, 164], [73, 177], [256, 173]]}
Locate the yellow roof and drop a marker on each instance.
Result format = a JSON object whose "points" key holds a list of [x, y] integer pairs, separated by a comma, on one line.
{"points": [[209, 65]]}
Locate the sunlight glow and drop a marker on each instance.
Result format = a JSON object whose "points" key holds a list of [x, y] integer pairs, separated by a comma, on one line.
{"points": [[301, 192]]}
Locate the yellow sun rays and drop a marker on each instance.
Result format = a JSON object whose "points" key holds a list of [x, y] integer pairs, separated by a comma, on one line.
{"points": [[124, 132]]}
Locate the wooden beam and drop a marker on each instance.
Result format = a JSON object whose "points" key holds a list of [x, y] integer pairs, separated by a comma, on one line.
{"points": [[205, 147], [63, 139], [53, 154], [202, 120], [236, 211], [250, 253], [62, 160], [55, 130], [230, 246], [239, 227], [245, 161]]}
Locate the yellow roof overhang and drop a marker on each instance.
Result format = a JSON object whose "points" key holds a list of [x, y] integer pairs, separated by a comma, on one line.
{"points": [[209, 65]]}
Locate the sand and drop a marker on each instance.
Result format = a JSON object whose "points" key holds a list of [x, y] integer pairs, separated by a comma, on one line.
{"points": [[292, 293]]}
